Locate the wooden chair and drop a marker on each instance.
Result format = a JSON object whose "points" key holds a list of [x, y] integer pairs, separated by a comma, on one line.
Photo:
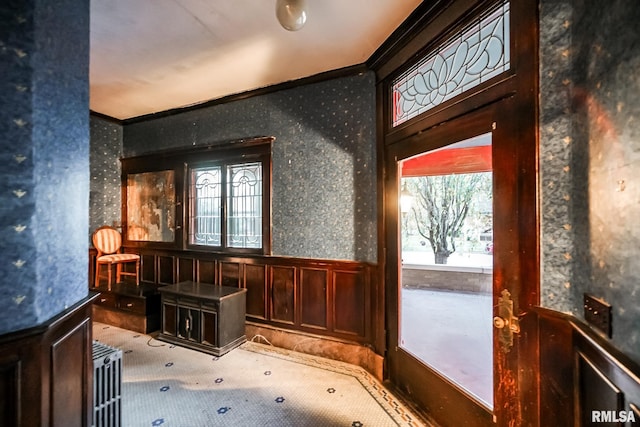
{"points": [[108, 241]]}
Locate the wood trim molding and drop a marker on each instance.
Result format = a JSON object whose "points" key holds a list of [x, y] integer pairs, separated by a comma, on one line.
{"points": [[46, 372], [581, 371]]}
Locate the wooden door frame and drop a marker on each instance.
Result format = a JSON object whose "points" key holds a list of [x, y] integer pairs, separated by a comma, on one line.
{"points": [[426, 28], [426, 387]]}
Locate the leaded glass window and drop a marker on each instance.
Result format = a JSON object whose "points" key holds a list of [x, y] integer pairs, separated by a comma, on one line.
{"points": [[244, 196], [206, 206], [471, 57], [226, 201]]}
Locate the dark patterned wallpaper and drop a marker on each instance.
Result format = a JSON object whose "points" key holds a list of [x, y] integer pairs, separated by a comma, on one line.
{"points": [[44, 148], [324, 175], [589, 153], [106, 151]]}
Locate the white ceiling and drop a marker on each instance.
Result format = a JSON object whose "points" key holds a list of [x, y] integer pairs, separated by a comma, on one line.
{"points": [[153, 55]]}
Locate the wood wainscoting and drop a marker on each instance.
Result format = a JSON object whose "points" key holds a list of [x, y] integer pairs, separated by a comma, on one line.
{"points": [[46, 372], [323, 298], [582, 372]]}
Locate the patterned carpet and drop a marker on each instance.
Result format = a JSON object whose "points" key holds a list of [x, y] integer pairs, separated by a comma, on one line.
{"points": [[253, 385]]}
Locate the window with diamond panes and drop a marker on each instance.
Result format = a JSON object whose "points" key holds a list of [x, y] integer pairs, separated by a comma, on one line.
{"points": [[471, 57]]}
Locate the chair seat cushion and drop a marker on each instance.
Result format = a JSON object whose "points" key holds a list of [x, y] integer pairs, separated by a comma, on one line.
{"points": [[118, 258]]}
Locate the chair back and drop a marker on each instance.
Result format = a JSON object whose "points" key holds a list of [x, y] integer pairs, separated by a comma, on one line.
{"points": [[107, 240]]}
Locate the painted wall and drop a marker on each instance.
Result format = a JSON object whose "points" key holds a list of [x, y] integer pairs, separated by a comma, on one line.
{"points": [[324, 175], [590, 160], [44, 151]]}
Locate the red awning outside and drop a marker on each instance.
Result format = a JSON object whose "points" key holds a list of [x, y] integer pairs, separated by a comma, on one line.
{"points": [[449, 161]]}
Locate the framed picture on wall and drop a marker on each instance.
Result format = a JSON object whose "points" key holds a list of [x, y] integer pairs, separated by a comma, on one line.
{"points": [[151, 206]]}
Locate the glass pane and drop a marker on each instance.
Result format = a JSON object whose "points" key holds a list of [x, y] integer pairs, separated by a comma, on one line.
{"points": [[151, 202], [244, 204], [446, 229], [205, 202], [474, 55]]}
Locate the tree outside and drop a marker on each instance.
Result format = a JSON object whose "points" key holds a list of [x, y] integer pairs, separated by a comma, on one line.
{"points": [[450, 212]]}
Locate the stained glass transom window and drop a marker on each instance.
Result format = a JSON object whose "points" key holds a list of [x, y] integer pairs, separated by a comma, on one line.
{"points": [[473, 56]]}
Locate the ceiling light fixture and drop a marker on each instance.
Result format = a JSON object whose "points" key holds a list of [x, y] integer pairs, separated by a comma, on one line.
{"points": [[292, 14]]}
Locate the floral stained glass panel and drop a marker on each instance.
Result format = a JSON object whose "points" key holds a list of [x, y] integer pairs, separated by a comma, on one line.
{"points": [[471, 57]]}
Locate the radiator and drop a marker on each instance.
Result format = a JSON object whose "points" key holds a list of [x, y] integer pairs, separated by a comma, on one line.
{"points": [[107, 386]]}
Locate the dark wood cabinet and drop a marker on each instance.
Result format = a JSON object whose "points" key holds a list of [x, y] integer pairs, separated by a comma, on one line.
{"points": [[203, 317], [128, 306]]}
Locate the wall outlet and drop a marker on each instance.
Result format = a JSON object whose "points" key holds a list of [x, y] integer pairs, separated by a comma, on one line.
{"points": [[598, 314]]}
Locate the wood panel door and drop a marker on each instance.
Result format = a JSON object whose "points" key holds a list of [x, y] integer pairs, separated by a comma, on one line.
{"points": [[453, 346]]}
